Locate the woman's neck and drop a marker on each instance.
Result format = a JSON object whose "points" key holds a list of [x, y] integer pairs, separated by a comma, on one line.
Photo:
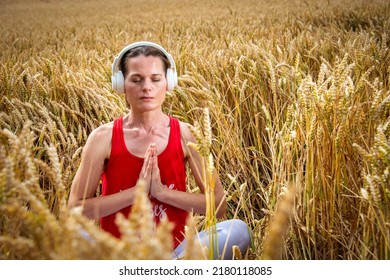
{"points": [[147, 121]]}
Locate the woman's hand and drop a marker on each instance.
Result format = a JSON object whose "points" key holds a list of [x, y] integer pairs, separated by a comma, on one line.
{"points": [[147, 167], [157, 189], [150, 173]]}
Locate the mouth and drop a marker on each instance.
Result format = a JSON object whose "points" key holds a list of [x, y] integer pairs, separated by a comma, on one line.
{"points": [[147, 98]]}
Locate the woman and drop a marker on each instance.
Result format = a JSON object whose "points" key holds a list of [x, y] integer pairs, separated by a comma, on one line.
{"points": [[147, 144]]}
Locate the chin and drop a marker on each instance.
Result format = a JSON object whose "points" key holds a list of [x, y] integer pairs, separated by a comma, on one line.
{"points": [[145, 109]]}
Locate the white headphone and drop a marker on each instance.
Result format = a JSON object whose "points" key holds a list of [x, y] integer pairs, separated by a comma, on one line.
{"points": [[117, 78]]}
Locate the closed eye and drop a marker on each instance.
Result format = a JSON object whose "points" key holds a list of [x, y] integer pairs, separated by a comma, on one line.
{"points": [[136, 78]]}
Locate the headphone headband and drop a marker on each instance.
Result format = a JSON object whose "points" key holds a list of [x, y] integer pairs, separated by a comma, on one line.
{"points": [[118, 84]]}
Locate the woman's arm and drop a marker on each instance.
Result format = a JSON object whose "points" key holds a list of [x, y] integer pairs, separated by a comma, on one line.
{"points": [[95, 152]]}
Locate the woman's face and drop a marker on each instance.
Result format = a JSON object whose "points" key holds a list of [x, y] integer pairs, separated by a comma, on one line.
{"points": [[145, 83]]}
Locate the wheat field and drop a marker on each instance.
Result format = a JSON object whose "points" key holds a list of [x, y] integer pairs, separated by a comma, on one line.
{"points": [[298, 96]]}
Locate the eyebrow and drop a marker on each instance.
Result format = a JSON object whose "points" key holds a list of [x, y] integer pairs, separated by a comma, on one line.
{"points": [[139, 75]]}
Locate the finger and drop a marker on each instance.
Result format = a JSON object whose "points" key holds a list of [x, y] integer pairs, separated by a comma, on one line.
{"points": [[145, 171], [152, 146], [150, 167], [156, 170], [145, 165]]}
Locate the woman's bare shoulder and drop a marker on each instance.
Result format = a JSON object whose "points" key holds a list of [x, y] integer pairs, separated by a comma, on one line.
{"points": [[99, 140], [186, 137], [185, 131], [103, 131]]}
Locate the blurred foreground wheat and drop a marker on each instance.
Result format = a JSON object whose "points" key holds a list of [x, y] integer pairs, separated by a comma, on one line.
{"points": [[31, 231]]}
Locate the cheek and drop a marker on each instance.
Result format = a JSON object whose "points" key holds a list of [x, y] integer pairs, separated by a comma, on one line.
{"points": [[129, 84], [164, 84], [132, 88]]}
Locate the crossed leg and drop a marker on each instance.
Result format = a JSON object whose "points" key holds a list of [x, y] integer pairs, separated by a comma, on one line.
{"points": [[229, 232]]}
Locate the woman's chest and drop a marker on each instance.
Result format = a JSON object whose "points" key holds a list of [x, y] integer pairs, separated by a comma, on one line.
{"points": [[137, 142]]}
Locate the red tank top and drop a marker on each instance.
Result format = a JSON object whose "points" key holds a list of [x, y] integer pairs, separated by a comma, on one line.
{"points": [[123, 169]]}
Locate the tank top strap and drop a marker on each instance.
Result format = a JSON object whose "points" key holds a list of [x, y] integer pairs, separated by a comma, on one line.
{"points": [[175, 137], [117, 136], [175, 130]]}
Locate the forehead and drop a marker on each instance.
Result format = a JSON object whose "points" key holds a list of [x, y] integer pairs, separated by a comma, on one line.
{"points": [[143, 63]]}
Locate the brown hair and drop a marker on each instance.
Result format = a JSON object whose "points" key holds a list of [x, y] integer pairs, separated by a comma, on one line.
{"points": [[142, 50]]}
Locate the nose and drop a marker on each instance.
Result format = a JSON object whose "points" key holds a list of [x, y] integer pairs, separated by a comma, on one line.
{"points": [[147, 85]]}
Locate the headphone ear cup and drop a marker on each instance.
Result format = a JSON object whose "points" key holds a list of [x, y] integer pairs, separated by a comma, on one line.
{"points": [[170, 80], [118, 83], [175, 82]]}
